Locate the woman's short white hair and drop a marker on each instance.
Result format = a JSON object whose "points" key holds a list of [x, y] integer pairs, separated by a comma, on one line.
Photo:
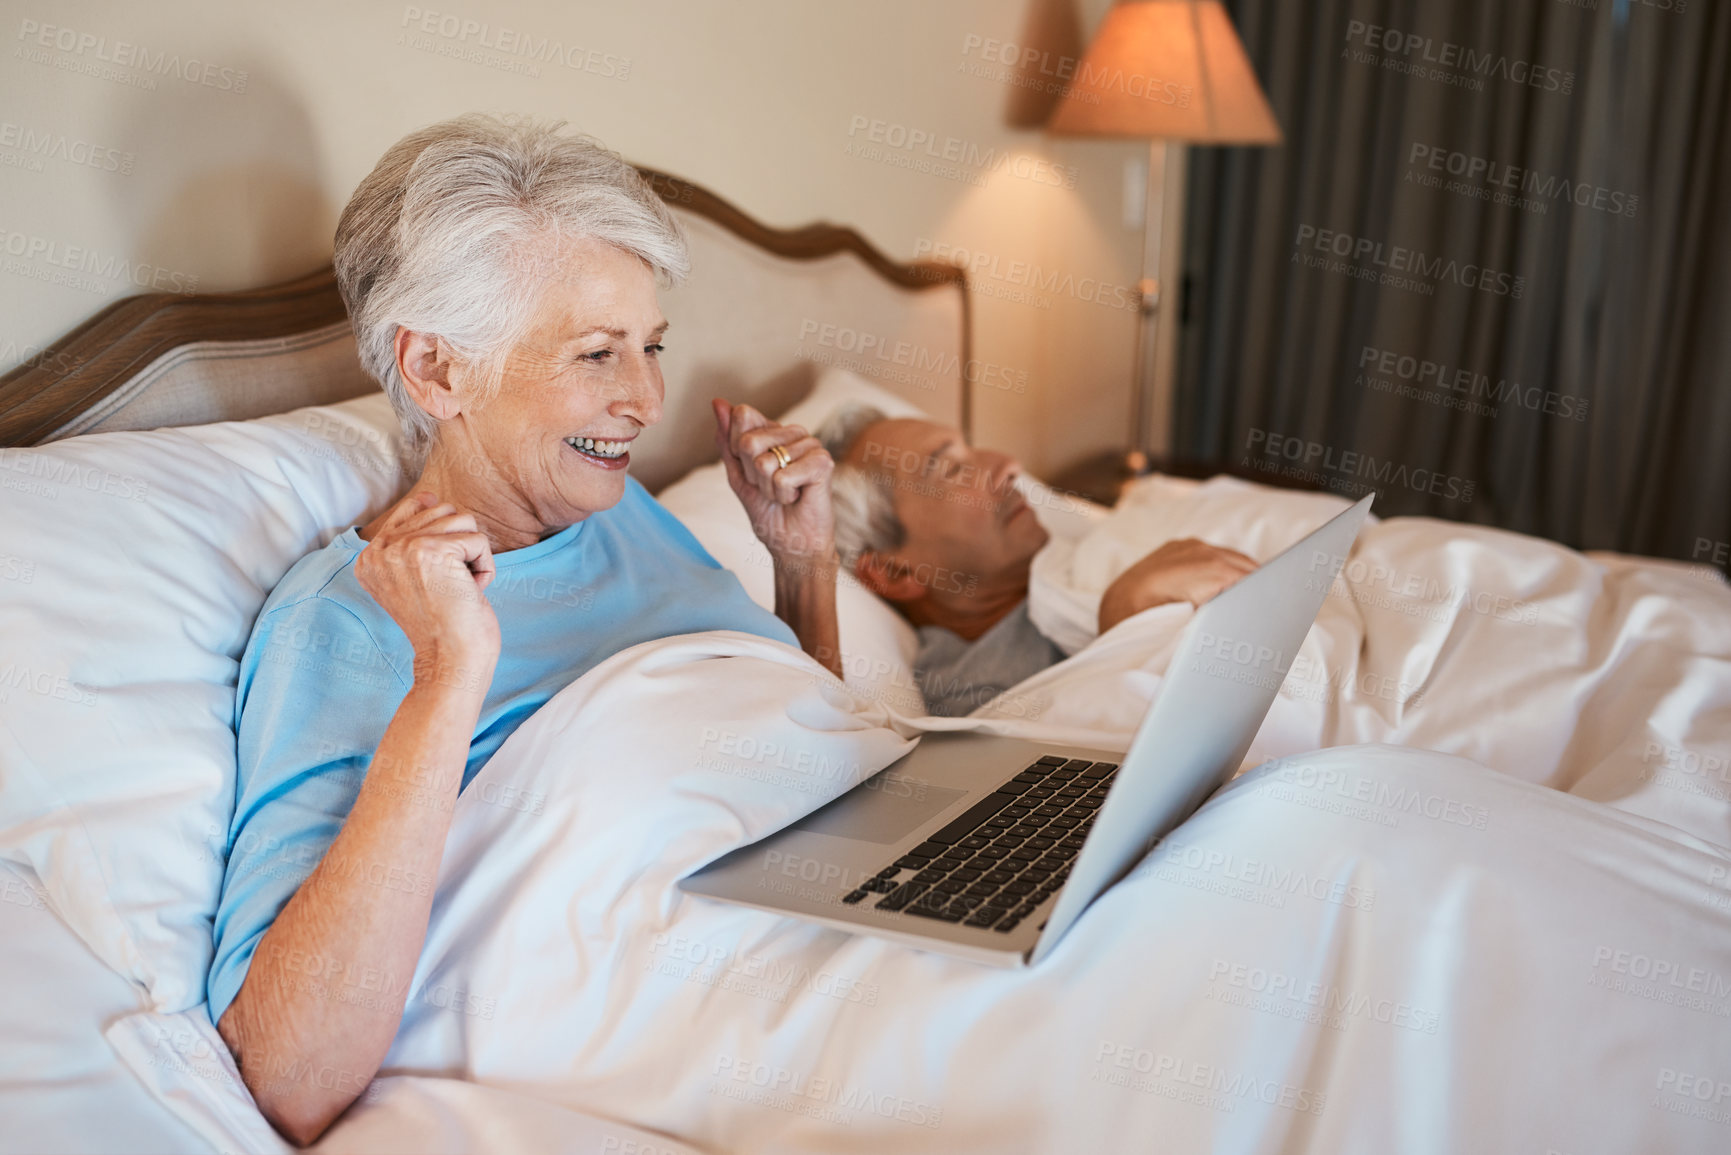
{"points": [[863, 498], [446, 233]]}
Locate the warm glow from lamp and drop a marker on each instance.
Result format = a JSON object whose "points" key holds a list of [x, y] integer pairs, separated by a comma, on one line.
{"points": [[1169, 70]]}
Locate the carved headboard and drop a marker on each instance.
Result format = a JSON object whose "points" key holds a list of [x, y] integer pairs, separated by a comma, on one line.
{"points": [[763, 311]]}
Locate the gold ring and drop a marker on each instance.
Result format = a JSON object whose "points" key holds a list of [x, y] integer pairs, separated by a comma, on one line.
{"points": [[781, 455]]}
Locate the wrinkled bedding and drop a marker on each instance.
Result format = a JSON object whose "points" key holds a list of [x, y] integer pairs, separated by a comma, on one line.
{"points": [[1357, 949], [1605, 676]]}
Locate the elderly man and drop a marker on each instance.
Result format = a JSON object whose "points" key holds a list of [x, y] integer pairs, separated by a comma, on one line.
{"points": [[912, 499]]}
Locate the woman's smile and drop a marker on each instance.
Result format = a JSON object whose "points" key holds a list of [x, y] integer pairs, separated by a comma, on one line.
{"points": [[602, 453]]}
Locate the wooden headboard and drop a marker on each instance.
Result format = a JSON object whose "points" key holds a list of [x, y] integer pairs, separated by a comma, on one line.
{"points": [[764, 310]]}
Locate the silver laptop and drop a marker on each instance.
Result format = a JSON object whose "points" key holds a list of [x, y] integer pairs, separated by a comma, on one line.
{"points": [[990, 848]]}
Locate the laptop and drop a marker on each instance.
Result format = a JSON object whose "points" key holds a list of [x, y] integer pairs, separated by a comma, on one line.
{"points": [[990, 848]]}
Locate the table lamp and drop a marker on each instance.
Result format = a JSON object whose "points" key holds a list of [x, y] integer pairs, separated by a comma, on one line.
{"points": [[1163, 70]]}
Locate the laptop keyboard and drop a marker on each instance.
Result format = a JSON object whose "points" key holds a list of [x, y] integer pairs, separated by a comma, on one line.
{"points": [[1007, 854]]}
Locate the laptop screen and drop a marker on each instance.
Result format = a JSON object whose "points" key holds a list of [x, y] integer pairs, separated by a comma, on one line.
{"points": [[1230, 662]]}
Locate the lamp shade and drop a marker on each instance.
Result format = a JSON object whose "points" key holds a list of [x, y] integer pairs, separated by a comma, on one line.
{"points": [[1168, 69]]}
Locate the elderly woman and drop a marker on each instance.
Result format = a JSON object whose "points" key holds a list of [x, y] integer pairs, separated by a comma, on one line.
{"points": [[501, 279]]}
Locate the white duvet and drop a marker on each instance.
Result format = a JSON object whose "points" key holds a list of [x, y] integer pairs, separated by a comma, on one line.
{"points": [[1364, 949], [1605, 676], [1361, 949]]}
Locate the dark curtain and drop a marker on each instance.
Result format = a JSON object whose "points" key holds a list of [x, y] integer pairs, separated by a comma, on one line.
{"points": [[1627, 312]]}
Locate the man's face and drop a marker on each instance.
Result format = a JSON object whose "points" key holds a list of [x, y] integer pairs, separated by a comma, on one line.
{"points": [[958, 504]]}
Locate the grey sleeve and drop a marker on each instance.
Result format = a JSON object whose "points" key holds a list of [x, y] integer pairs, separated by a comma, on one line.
{"points": [[957, 677]]}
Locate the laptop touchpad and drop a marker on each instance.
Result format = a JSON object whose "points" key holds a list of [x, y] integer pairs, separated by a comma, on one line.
{"points": [[883, 808]]}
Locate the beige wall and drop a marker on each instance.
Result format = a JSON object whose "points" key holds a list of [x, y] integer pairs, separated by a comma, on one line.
{"points": [[131, 172]]}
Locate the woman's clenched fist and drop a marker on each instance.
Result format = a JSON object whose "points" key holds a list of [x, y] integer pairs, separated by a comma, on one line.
{"points": [[427, 565]]}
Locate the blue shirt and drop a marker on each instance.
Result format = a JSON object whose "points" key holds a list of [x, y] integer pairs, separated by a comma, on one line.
{"points": [[326, 669]]}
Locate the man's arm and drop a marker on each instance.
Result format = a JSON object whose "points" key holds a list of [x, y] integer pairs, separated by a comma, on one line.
{"points": [[1186, 570]]}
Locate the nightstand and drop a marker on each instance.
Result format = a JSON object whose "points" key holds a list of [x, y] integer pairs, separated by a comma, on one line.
{"points": [[1100, 478]]}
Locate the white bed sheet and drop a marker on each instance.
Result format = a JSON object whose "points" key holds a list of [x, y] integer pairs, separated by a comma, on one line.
{"points": [[1605, 676], [62, 1087], [1365, 949], [569, 1050]]}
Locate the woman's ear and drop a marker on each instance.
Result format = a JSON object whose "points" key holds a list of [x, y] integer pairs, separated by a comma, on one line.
{"points": [[886, 577], [425, 363]]}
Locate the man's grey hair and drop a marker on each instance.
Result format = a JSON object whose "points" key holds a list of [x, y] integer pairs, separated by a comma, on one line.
{"points": [[447, 234], [863, 497]]}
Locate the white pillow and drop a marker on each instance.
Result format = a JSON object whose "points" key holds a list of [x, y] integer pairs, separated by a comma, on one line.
{"points": [[837, 387], [1259, 520], [877, 643], [131, 572]]}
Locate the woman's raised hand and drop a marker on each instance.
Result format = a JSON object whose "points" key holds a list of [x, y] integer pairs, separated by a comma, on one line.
{"points": [[427, 565], [788, 503]]}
